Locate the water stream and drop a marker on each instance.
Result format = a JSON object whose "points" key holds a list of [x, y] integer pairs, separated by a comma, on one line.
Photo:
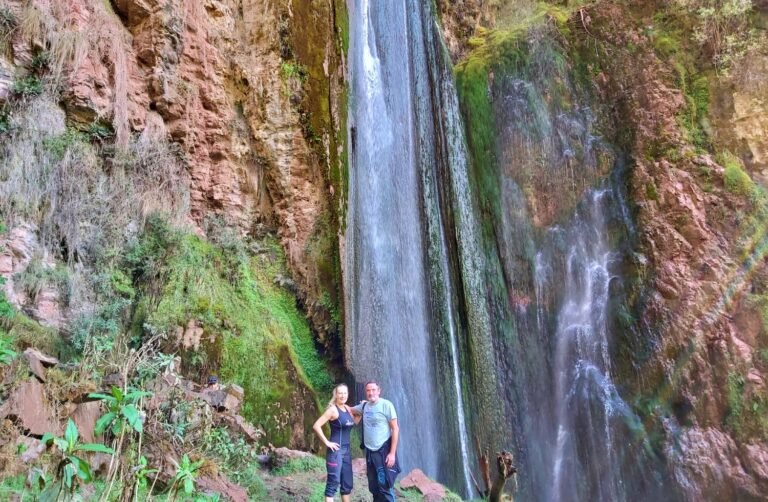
{"points": [[487, 316]]}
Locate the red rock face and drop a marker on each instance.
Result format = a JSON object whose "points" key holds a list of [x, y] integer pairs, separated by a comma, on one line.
{"points": [[697, 289], [30, 408], [251, 93], [209, 75], [693, 243]]}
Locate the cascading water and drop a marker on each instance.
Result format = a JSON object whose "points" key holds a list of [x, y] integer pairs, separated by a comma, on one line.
{"points": [[407, 202], [590, 416], [556, 239], [476, 318], [388, 312]]}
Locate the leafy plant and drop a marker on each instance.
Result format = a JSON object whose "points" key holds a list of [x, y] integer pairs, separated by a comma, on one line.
{"points": [[8, 21], [121, 410], [148, 368], [142, 472], [6, 309], [28, 86], [7, 354], [71, 467], [41, 60], [186, 474], [99, 131]]}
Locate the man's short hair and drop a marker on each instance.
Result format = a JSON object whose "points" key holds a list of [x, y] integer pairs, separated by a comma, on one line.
{"points": [[374, 382]]}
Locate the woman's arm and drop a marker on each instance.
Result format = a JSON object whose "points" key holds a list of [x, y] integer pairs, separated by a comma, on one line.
{"points": [[330, 414]]}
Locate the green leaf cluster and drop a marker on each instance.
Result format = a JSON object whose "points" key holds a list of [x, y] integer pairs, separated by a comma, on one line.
{"points": [[72, 468], [122, 410], [186, 474], [7, 354]]}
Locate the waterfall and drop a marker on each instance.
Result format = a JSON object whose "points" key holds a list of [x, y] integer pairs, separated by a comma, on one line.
{"points": [[415, 298], [590, 416], [388, 312], [477, 319]]}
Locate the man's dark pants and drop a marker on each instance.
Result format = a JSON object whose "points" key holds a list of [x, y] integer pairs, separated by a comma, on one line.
{"points": [[381, 479]]}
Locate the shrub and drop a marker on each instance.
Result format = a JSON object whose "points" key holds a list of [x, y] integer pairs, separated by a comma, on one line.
{"points": [[8, 21], [37, 275], [40, 61], [27, 87], [55, 177], [7, 354], [71, 469], [6, 309]]}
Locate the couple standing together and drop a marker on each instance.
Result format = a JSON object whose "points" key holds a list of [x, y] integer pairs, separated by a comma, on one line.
{"points": [[380, 435]]}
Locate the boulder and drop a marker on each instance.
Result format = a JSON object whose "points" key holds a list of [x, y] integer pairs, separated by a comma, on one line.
{"points": [[432, 491], [38, 362], [239, 425], [85, 417], [219, 484], [29, 408], [227, 399]]}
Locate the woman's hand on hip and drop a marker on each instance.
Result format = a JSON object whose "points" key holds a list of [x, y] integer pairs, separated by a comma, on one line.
{"points": [[332, 446]]}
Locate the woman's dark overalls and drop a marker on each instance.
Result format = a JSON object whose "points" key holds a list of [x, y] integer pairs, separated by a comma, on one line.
{"points": [[339, 462]]}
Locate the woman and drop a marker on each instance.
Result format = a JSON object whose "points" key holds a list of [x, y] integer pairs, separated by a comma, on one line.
{"points": [[338, 460]]}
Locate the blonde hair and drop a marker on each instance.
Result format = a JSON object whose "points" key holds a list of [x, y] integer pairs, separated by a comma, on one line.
{"points": [[332, 402]]}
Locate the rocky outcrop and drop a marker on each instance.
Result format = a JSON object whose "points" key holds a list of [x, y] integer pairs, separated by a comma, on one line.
{"points": [[698, 348], [253, 105], [18, 248], [740, 113], [698, 262], [431, 491], [462, 20], [30, 407]]}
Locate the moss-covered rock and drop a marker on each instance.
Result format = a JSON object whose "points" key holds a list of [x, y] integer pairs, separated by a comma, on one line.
{"points": [[230, 312]]}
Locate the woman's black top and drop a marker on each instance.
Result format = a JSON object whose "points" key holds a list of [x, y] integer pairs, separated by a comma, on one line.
{"points": [[341, 427]]}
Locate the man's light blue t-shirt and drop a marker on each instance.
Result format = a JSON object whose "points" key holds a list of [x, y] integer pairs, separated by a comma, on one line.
{"points": [[376, 422]]}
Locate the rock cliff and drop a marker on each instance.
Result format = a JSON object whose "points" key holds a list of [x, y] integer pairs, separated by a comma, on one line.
{"points": [[685, 98]]}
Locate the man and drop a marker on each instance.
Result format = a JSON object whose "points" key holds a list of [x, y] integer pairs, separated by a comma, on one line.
{"points": [[380, 436]]}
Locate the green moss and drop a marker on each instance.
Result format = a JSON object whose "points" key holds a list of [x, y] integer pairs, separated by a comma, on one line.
{"points": [[694, 118], [735, 178], [651, 192], [747, 417], [254, 335], [341, 17], [666, 45], [301, 464], [472, 85], [29, 333], [293, 70]]}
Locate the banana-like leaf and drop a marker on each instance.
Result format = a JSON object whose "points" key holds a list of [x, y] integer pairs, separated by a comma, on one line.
{"points": [[51, 494], [133, 417], [189, 485], [71, 434], [103, 422], [95, 447], [69, 473]]}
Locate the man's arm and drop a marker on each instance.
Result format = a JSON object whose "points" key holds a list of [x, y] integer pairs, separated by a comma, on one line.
{"points": [[395, 428], [356, 411]]}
